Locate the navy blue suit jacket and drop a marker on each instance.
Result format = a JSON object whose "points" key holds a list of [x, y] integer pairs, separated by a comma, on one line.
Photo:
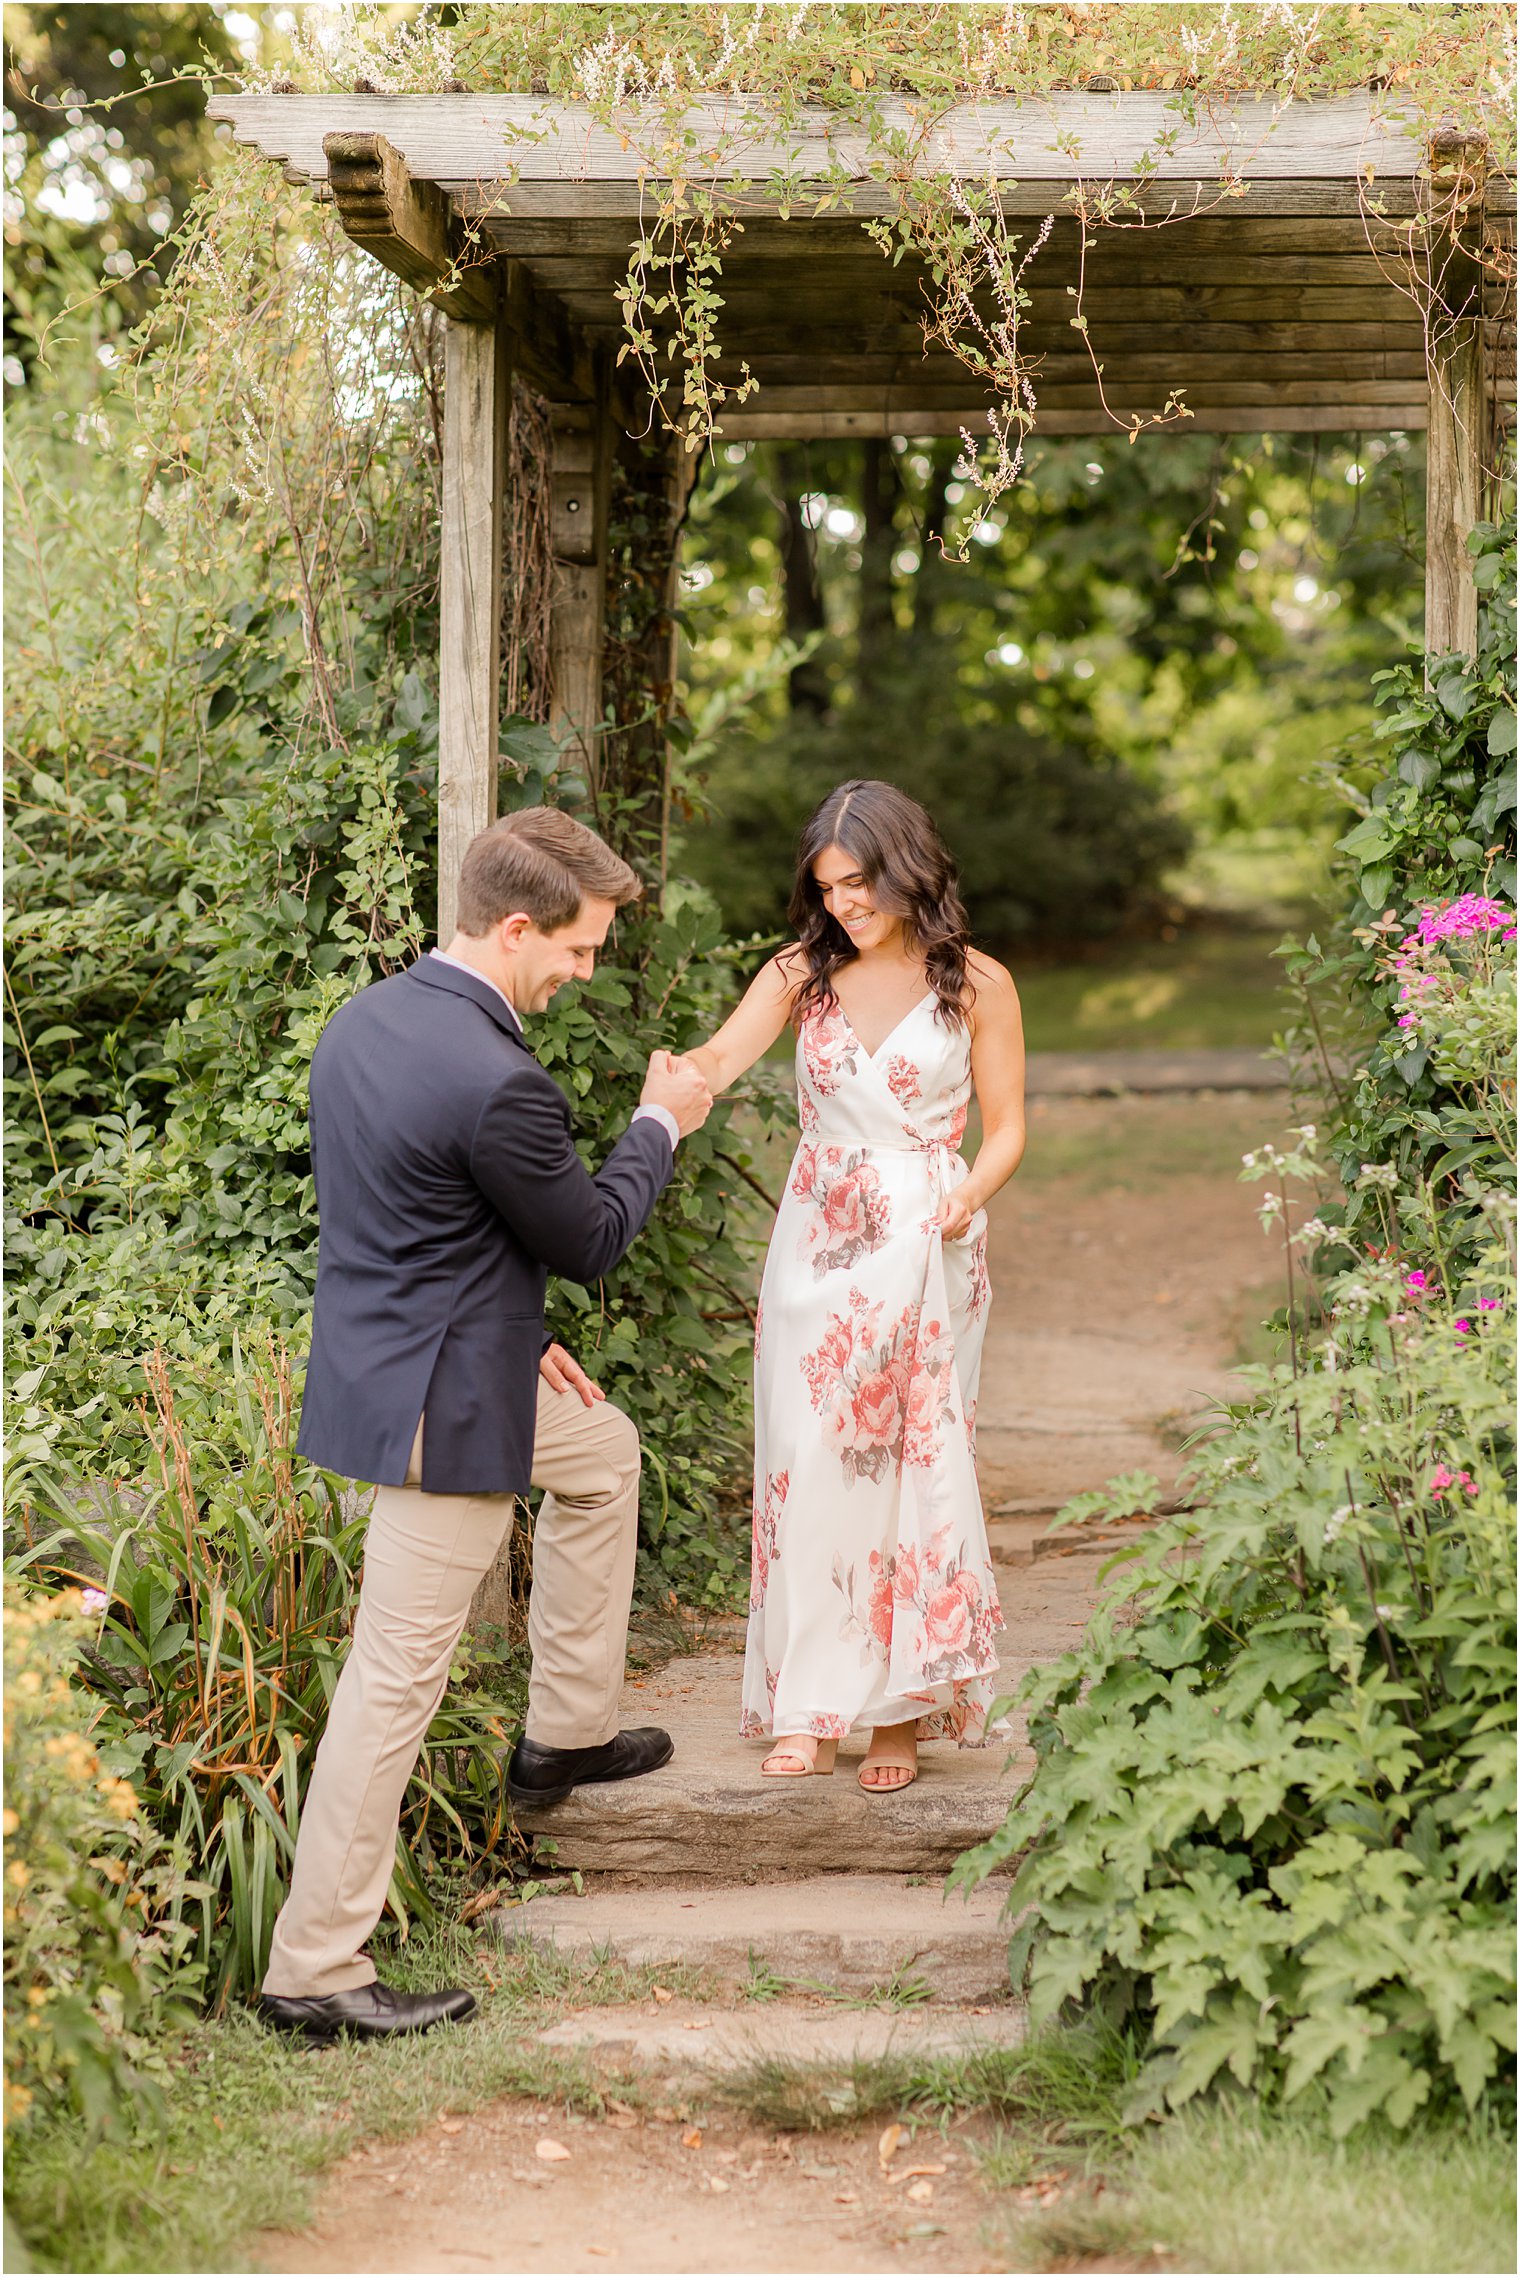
{"points": [[447, 1190]]}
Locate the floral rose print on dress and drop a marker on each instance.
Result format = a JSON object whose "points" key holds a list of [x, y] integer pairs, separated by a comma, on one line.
{"points": [[882, 1394], [829, 1048], [903, 1079], [850, 1214], [924, 1603], [770, 1499]]}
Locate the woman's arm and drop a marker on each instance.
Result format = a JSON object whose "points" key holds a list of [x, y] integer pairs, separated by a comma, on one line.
{"points": [[747, 1033], [997, 1070]]}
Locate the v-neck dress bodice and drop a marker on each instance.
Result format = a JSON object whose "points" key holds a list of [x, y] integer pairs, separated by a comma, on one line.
{"points": [[873, 1598]]}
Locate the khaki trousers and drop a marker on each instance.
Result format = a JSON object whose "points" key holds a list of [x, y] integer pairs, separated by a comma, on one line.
{"points": [[424, 1556]]}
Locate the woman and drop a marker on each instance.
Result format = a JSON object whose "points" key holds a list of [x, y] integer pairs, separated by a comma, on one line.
{"points": [[873, 1603]]}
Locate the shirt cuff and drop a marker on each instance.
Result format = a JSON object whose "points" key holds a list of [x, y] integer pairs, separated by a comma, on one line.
{"points": [[666, 1121]]}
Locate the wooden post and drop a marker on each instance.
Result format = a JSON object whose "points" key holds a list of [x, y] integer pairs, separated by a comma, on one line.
{"points": [[1456, 455], [579, 492], [476, 388]]}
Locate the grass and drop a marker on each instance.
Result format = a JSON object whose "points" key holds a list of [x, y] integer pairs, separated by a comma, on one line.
{"points": [[1229, 2187], [1141, 1143], [253, 2119], [1068, 2088], [1212, 987]]}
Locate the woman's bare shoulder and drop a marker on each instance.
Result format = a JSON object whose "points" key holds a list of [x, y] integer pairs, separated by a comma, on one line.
{"points": [[989, 978], [785, 972]]}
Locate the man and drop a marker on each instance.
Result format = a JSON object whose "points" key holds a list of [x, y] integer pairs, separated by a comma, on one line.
{"points": [[448, 1189]]}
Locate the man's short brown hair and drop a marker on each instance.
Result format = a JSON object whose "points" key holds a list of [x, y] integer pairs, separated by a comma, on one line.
{"points": [[542, 862]]}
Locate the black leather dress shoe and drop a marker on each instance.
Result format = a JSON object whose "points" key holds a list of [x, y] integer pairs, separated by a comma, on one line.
{"points": [[369, 2012], [538, 1774]]}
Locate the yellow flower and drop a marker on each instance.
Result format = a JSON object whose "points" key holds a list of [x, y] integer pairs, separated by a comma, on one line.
{"points": [[18, 1872], [18, 2100], [10, 1823], [119, 1797]]}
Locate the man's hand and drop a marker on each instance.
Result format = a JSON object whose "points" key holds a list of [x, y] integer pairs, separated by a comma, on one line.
{"points": [[562, 1373], [676, 1085]]}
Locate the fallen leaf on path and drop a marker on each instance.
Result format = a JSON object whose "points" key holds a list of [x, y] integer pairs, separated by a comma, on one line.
{"points": [[847, 2197], [920, 2192], [705, 2025], [660, 1992], [549, 2150], [616, 2103], [890, 2138], [603, 2250], [622, 2119], [717, 2183], [451, 2126], [692, 2139], [906, 2173]]}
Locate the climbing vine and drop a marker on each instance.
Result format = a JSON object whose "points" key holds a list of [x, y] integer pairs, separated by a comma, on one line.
{"points": [[693, 90]]}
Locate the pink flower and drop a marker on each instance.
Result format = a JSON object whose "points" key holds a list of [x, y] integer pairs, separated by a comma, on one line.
{"points": [[1442, 1480], [902, 1079], [905, 1574], [1415, 1283], [948, 1616], [1464, 1327], [1490, 1304], [847, 1205], [1458, 920], [879, 1612], [878, 1407]]}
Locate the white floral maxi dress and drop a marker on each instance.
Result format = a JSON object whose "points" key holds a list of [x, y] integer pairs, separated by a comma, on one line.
{"points": [[872, 1598]]}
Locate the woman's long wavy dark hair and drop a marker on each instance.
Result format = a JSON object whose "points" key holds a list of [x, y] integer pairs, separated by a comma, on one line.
{"points": [[904, 861]]}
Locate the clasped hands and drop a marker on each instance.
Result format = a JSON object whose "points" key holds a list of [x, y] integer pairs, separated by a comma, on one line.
{"points": [[676, 1084]]}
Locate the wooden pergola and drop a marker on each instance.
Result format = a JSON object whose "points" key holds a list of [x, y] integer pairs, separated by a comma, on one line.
{"points": [[1277, 297]]}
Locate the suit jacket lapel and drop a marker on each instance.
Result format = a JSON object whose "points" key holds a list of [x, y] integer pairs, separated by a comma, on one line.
{"points": [[433, 973]]}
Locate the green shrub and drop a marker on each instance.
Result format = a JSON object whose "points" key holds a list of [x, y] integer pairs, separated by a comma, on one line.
{"points": [[228, 1588], [95, 1958], [1273, 1812], [1052, 840]]}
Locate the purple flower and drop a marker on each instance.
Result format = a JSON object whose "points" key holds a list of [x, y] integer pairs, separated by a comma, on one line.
{"points": [[1464, 1327]]}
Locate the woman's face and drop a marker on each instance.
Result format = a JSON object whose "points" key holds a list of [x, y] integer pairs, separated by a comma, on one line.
{"points": [[850, 901]]}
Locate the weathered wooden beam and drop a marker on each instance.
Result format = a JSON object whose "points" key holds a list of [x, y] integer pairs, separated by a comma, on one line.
{"points": [[1234, 230], [1065, 363], [1177, 200], [956, 395], [1059, 136], [408, 225], [579, 492], [1455, 457], [1207, 419], [476, 390]]}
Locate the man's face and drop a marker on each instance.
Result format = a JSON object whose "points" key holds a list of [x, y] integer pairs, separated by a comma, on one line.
{"points": [[545, 961]]}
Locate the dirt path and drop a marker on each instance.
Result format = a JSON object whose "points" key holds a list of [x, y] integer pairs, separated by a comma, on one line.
{"points": [[638, 2194], [1127, 1266]]}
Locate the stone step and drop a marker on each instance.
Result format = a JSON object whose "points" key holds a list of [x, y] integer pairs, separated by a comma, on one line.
{"points": [[708, 1816], [689, 2039], [848, 1933]]}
